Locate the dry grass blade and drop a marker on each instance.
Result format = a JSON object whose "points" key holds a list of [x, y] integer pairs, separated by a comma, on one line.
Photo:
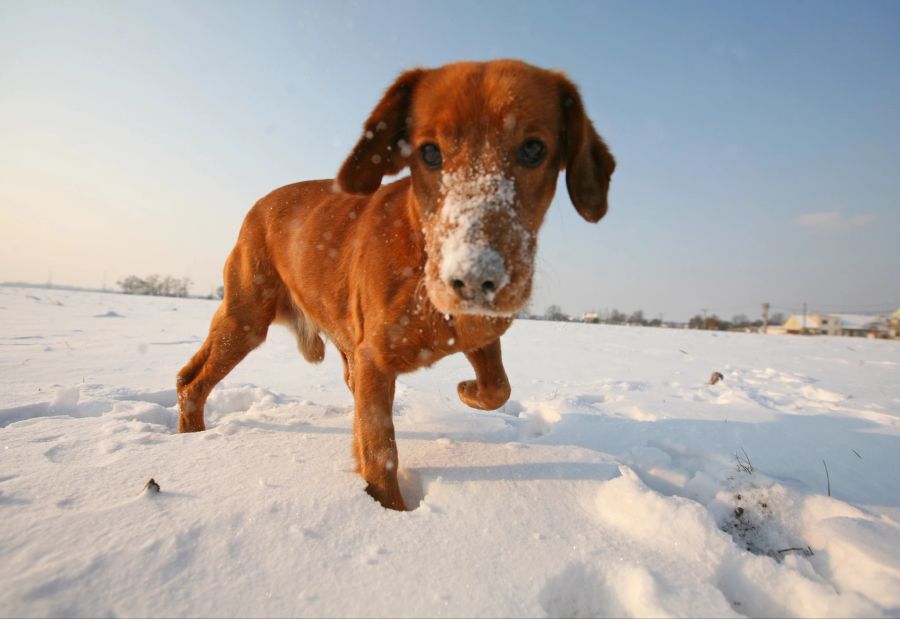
{"points": [[744, 464]]}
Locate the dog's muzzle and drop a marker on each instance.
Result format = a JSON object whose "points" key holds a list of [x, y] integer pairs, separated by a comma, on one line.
{"points": [[480, 255], [476, 274]]}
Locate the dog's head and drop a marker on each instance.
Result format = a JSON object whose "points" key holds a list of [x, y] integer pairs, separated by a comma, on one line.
{"points": [[485, 143]]}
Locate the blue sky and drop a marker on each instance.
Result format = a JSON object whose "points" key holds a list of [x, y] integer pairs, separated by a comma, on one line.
{"points": [[758, 143]]}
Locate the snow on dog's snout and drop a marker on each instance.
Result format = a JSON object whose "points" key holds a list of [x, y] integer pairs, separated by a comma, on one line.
{"points": [[478, 236], [470, 259]]}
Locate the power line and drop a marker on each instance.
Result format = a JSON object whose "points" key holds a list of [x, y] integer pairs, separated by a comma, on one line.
{"points": [[845, 306], [813, 309], [846, 311]]}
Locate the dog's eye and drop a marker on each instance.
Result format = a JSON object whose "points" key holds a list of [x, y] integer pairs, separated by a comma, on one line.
{"points": [[531, 153], [431, 155]]}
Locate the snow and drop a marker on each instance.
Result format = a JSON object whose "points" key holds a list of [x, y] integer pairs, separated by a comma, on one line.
{"points": [[616, 482]]}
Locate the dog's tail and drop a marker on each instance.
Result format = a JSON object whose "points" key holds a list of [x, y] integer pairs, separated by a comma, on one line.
{"points": [[309, 340]]}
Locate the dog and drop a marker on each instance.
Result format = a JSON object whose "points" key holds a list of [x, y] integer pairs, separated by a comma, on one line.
{"points": [[400, 275]]}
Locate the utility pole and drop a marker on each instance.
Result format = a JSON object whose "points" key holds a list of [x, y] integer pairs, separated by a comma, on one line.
{"points": [[704, 310], [804, 318], [765, 328]]}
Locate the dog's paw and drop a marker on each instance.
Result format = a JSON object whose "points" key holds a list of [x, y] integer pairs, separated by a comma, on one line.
{"points": [[188, 424], [388, 499], [486, 399]]}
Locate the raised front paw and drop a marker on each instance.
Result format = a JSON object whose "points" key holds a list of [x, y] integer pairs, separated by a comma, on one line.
{"points": [[484, 397]]}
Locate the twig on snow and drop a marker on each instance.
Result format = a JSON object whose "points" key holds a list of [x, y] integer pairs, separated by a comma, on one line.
{"points": [[806, 551], [744, 465]]}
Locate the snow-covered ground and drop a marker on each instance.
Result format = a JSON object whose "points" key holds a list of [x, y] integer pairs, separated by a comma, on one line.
{"points": [[617, 481]]}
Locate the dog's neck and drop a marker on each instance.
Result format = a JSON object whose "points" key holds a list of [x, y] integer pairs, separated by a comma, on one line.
{"points": [[475, 331]]}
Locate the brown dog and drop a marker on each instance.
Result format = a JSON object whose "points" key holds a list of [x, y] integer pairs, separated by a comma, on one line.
{"points": [[401, 275]]}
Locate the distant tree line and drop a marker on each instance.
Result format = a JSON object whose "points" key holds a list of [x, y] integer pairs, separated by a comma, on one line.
{"points": [[156, 286], [739, 321], [554, 312], [637, 318], [615, 317]]}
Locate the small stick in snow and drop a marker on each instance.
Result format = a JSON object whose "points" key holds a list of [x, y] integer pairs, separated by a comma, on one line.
{"points": [[746, 467], [857, 453], [806, 551], [151, 486], [827, 477], [716, 377]]}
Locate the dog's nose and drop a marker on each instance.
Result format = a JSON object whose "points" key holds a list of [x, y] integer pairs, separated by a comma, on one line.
{"points": [[475, 273], [468, 290]]}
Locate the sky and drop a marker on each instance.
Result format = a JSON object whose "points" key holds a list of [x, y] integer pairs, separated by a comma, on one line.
{"points": [[758, 144]]}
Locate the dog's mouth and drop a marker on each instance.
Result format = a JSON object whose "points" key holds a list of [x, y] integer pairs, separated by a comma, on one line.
{"points": [[445, 302], [480, 256]]}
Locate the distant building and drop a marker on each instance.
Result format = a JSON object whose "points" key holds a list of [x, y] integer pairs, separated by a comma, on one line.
{"points": [[853, 325], [820, 324], [590, 317]]}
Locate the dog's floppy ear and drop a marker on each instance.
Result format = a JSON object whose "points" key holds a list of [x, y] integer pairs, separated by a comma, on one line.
{"points": [[588, 163], [383, 148]]}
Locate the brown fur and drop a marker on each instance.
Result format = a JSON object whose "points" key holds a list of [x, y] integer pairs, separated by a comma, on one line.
{"points": [[358, 261]]}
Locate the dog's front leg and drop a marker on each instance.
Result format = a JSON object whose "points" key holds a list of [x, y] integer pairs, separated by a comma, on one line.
{"points": [[374, 445], [490, 389]]}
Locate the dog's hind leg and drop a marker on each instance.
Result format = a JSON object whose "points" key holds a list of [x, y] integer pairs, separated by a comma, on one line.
{"points": [[252, 292]]}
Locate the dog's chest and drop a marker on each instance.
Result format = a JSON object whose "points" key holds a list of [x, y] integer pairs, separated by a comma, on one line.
{"points": [[415, 340]]}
